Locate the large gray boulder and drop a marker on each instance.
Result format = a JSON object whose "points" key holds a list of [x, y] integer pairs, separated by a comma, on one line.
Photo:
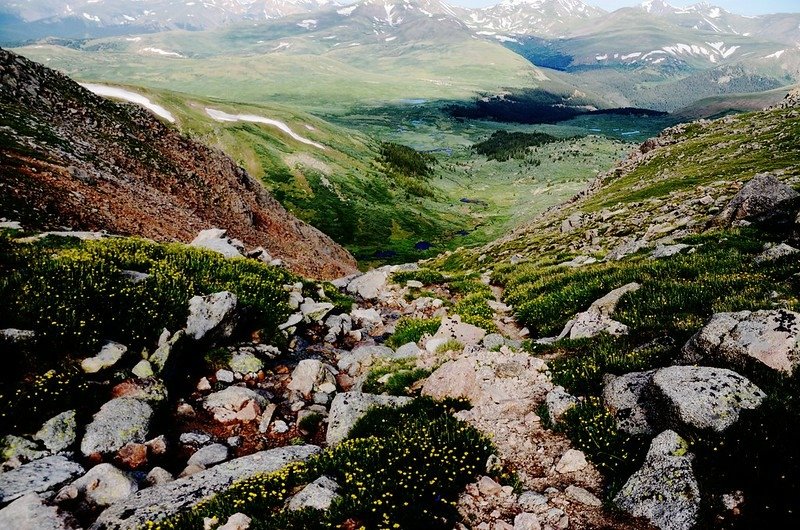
{"points": [[622, 396], [664, 490], [29, 512], [38, 476], [118, 422], [348, 407], [763, 199], [213, 316], [746, 339], [700, 397], [159, 502]]}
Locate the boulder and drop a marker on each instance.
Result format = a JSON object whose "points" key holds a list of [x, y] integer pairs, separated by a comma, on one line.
{"points": [[158, 502], [38, 476], [558, 401], [234, 403], [118, 422], [109, 355], [245, 363], [527, 521], [701, 398], [17, 447], [151, 390], [409, 349], [597, 319], [166, 344], [572, 461], [209, 455], [664, 490], [453, 329], [666, 251], [318, 495], [367, 319], [237, 521], [29, 512], [348, 407], [369, 285], [315, 311], [493, 341], [582, 496], [454, 379], [622, 396], [338, 325], [312, 375], [777, 252], [217, 240], [213, 316], [357, 361], [132, 456], [103, 485], [746, 339], [764, 199]]}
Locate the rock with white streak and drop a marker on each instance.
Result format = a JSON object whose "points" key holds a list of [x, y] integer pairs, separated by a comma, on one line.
{"points": [[212, 317]]}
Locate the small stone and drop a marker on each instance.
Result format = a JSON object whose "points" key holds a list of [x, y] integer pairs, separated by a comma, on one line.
{"points": [[488, 486], [195, 438], [582, 496], [237, 521], [143, 369], [158, 475], [280, 427], [530, 500], [132, 456], [209, 455], [224, 376], [572, 461], [245, 363], [203, 385], [109, 355], [527, 521]]}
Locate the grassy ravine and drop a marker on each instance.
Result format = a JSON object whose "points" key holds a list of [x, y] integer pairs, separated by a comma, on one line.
{"points": [[678, 295], [400, 468], [75, 294]]}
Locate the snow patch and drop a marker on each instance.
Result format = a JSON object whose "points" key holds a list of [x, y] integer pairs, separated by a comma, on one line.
{"points": [[776, 55], [219, 115], [159, 51], [133, 97]]}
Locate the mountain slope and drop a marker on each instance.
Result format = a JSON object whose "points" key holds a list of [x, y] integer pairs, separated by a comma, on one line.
{"points": [[72, 158]]}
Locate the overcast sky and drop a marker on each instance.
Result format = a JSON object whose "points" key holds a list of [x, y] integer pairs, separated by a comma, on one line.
{"points": [[743, 7]]}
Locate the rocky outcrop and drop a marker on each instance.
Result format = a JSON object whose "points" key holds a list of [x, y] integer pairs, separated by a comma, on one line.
{"points": [[769, 338], [38, 476], [217, 240], [157, 502], [764, 199], [665, 490], [98, 165]]}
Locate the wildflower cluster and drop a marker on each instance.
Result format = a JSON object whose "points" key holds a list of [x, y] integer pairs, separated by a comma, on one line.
{"points": [[474, 310], [401, 468], [593, 429]]}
